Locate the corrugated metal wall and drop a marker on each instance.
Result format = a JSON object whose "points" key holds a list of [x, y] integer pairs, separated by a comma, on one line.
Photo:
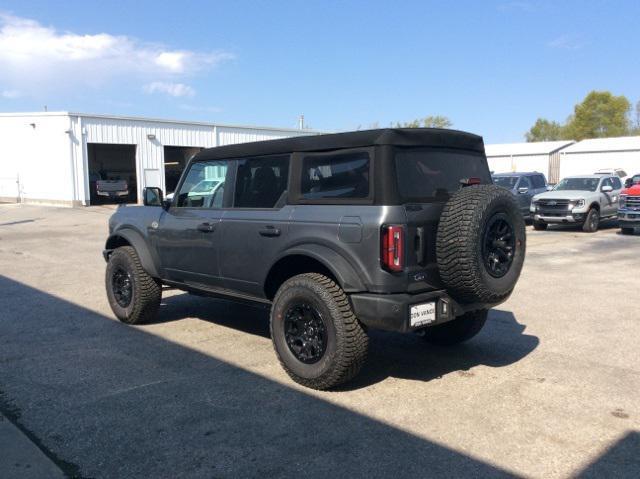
{"points": [[150, 151], [588, 163]]}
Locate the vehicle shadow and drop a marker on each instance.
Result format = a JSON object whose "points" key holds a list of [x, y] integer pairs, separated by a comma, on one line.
{"points": [[103, 399], [406, 356], [604, 225]]}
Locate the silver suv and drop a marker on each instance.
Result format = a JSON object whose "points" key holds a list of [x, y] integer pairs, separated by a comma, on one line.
{"points": [[581, 200]]}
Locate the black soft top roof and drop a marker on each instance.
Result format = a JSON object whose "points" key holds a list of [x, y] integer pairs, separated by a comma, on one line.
{"points": [[355, 139]]}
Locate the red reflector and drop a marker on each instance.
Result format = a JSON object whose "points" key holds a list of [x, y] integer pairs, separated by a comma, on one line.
{"points": [[471, 181], [393, 247]]}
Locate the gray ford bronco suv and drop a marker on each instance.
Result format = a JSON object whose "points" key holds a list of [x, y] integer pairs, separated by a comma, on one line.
{"points": [[392, 229]]}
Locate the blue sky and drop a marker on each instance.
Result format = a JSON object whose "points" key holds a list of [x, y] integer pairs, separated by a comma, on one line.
{"points": [[492, 67]]}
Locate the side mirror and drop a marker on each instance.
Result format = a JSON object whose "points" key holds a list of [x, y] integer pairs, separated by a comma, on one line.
{"points": [[523, 190], [152, 196], [607, 189], [628, 183]]}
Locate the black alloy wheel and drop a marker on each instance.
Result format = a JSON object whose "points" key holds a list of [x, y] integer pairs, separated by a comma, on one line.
{"points": [[122, 287], [305, 332], [498, 246]]}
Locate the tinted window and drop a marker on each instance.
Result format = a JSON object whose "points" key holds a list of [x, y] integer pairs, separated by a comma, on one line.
{"points": [[335, 176], [622, 173], [538, 181], [607, 182], [426, 174], [508, 182], [260, 182], [617, 184], [524, 182], [582, 184], [201, 185]]}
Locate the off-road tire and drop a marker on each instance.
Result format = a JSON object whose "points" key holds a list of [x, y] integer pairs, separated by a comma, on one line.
{"points": [[456, 331], [146, 291], [459, 244], [592, 221], [539, 226], [347, 341], [626, 231]]}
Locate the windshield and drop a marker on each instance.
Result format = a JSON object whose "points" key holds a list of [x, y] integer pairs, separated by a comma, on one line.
{"points": [[507, 182], [582, 184], [428, 174]]}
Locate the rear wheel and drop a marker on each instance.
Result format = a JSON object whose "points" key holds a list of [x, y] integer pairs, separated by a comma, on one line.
{"points": [[626, 231], [317, 338], [133, 295], [458, 330], [593, 220], [539, 225]]}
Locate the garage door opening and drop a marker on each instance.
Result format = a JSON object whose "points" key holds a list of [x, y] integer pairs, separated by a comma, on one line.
{"points": [[175, 161], [112, 174]]}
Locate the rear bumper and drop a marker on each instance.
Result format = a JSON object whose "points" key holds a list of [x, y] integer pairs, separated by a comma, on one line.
{"points": [[391, 312]]}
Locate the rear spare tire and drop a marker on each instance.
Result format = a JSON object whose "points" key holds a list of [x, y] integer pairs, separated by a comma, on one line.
{"points": [[480, 244]]}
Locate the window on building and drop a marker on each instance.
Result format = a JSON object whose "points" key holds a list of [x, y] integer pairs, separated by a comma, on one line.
{"points": [[260, 182], [336, 176]]}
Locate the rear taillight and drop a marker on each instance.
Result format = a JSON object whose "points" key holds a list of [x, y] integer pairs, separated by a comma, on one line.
{"points": [[393, 247]]}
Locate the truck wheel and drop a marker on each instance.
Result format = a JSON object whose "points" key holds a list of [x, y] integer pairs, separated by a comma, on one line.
{"points": [[133, 295], [456, 331], [626, 231], [591, 223], [480, 244], [317, 338], [539, 226]]}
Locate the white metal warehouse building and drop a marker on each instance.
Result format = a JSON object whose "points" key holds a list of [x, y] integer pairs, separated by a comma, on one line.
{"points": [[588, 156], [55, 157], [543, 157]]}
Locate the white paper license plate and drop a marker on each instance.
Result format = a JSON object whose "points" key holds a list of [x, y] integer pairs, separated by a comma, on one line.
{"points": [[422, 314]]}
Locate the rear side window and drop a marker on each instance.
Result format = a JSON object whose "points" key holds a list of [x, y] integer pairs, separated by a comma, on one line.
{"points": [[538, 181], [426, 174], [617, 184], [260, 182], [335, 176]]}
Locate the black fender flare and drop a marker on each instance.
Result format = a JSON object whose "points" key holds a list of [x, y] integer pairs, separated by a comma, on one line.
{"points": [[137, 241], [342, 270]]}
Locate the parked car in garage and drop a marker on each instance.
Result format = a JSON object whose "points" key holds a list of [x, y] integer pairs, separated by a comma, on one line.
{"points": [[580, 200], [629, 207], [524, 186]]}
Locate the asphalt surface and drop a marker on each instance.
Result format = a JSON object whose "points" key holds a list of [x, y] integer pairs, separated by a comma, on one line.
{"points": [[549, 388]]}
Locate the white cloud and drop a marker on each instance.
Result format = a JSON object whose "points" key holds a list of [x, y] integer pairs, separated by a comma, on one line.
{"points": [[35, 55], [11, 94], [173, 89], [566, 42]]}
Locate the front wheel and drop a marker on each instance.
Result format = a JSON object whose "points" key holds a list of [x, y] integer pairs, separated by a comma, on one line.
{"points": [[133, 295], [539, 226], [591, 223], [457, 330], [317, 338]]}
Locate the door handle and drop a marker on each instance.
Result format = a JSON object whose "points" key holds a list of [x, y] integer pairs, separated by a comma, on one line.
{"points": [[269, 231], [206, 227]]}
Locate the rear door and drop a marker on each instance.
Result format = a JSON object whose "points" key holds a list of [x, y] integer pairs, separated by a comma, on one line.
{"points": [[255, 226], [426, 179], [188, 234]]}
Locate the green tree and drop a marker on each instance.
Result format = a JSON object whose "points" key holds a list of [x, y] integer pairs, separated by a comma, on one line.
{"points": [[600, 115], [437, 121], [545, 130]]}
